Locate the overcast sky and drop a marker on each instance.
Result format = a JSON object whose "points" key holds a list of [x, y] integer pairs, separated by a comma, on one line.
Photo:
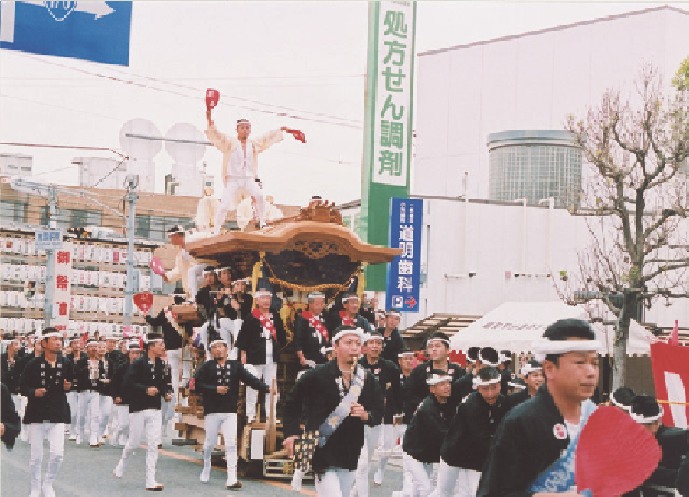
{"points": [[305, 59]]}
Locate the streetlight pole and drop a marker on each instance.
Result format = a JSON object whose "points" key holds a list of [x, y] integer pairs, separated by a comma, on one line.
{"points": [[132, 183]]}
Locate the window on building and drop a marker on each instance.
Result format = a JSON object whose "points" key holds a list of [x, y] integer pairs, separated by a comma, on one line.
{"points": [[85, 217], [143, 226], [13, 211]]}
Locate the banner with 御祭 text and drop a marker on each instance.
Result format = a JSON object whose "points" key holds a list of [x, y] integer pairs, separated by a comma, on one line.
{"points": [[671, 377], [388, 122]]}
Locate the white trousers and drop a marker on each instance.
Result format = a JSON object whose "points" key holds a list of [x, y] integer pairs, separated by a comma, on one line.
{"points": [[105, 406], [266, 372], [193, 275], [122, 430], [20, 405], [55, 433], [371, 436], [150, 421], [73, 401], [226, 423], [335, 482], [232, 187], [421, 476], [89, 399], [174, 358]]}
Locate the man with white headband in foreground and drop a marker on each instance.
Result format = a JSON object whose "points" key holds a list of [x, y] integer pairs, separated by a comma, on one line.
{"points": [[387, 374], [259, 341], [427, 431], [218, 381], [438, 347], [534, 448], [468, 440], [338, 398], [147, 385], [45, 381]]}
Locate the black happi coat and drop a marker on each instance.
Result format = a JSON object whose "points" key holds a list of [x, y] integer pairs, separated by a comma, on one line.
{"points": [[334, 321], [427, 430], [83, 378], [51, 407], [9, 374], [9, 418], [245, 306], [76, 386], [207, 302], [506, 376], [524, 446], [144, 373], [318, 392], [387, 374], [172, 338], [118, 384], [471, 432], [674, 446], [417, 388], [250, 339], [211, 375], [309, 340], [104, 387], [392, 345], [407, 407], [516, 398]]}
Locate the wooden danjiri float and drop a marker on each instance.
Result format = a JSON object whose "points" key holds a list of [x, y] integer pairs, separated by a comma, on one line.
{"points": [[313, 251]]}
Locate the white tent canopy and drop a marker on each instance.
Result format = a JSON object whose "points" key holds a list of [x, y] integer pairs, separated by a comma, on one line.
{"points": [[515, 325]]}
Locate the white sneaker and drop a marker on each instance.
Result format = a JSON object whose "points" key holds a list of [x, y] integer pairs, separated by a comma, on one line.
{"points": [[119, 470], [205, 474], [378, 478], [78, 439], [72, 438], [35, 493]]}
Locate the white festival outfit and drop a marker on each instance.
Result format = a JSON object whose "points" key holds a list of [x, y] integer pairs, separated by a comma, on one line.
{"points": [[240, 166], [266, 372], [89, 403]]}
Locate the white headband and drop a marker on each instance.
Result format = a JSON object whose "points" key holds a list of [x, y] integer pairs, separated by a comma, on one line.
{"points": [[219, 340], [640, 418], [516, 385], [478, 382], [316, 295], [261, 293], [358, 332], [504, 358], [437, 339], [528, 369], [620, 405], [542, 347], [434, 379], [369, 336]]}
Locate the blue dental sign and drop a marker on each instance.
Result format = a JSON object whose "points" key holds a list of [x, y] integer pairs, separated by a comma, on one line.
{"points": [[92, 30], [406, 224]]}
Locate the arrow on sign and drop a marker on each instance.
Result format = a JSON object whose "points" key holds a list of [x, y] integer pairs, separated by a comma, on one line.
{"points": [[410, 302], [60, 10]]}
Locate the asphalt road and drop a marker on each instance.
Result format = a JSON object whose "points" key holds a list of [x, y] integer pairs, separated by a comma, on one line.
{"points": [[87, 472]]}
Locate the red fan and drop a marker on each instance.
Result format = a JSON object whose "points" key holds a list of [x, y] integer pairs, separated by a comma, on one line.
{"points": [[614, 454], [212, 97], [157, 266], [298, 135], [144, 301]]}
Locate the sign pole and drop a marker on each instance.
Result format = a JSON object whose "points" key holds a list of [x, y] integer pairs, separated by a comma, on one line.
{"points": [[50, 266]]}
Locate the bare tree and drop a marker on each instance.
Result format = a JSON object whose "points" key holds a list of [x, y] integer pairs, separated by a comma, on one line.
{"points": [[635, 201]]}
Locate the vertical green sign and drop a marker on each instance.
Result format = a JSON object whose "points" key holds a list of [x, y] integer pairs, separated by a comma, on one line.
{"points": [[388, 122]]}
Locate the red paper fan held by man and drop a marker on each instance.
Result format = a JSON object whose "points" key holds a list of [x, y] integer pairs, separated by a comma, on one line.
{"points": [[240, 161]]}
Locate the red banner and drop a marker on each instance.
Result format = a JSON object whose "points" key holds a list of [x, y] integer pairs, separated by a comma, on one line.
{"points": [[671, 377]]}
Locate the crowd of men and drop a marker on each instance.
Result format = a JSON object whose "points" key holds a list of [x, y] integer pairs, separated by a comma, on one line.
{"points": [[476, 430]]}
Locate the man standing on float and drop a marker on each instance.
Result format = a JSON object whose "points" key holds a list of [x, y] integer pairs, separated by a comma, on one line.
{"points": [[240, 165]]}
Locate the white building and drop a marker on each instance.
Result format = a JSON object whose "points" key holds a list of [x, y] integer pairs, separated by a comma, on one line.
{"points": [[480, 254], [529, 81], [16, 165]]}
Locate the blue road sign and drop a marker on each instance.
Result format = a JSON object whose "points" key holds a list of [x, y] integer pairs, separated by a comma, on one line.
{"points": [[404, 272], [48, 239], [95, 31]]}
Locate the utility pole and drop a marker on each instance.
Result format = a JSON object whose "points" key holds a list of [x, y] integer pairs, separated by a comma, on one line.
{"points": [[132, 183], [50, 267]]}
